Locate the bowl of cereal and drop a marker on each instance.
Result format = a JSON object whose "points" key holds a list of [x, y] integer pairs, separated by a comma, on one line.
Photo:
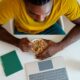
{"points": [[38, 45]]}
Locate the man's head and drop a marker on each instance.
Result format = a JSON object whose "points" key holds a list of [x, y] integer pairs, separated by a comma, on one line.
{"points": [[38, 9]]}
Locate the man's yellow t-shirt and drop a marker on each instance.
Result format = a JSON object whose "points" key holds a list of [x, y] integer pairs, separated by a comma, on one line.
{"points": [[16, 10]]}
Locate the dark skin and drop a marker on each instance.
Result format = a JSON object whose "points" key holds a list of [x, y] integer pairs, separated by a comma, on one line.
{"points": [[77, 21], [23, 43], [52, 48]]}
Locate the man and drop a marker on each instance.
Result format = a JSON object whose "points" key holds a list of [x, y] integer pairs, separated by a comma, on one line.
{"points": [[35, 16]]}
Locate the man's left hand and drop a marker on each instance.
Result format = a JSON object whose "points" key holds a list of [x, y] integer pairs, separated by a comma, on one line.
{"points": [[50, 50]]}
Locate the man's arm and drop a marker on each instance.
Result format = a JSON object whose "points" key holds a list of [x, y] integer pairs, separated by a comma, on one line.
{"points": [[77, 21], [53, 48], [7, 37], [73, 35]]}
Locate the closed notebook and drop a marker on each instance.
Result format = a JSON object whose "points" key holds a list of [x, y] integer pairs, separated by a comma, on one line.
{"points": [[11, 63]]}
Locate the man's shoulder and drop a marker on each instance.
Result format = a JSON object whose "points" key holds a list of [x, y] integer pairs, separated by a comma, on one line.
{"points": [[60, 1], [65, 3], [9, 7], [8, 2], [5, 3]]}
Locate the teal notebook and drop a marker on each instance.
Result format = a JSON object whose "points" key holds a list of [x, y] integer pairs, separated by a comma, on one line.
{"points": [[11, 63]]}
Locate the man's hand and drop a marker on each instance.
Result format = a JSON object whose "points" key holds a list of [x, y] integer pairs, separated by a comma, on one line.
{"points": [[24, 44], [49, 51]]}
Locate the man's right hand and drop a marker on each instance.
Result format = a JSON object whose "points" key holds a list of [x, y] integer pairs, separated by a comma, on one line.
{"points": [[24, 44]]}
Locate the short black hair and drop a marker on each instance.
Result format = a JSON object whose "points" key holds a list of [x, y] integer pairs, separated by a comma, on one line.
{"points": [[37, 2]]}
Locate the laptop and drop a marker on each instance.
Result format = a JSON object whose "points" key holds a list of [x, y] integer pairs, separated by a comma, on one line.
{"points": [[49, 69], [59, 22]]}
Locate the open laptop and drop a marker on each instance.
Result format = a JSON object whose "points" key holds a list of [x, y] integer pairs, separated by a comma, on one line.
{"points": [[49, 69], [48, 31]]}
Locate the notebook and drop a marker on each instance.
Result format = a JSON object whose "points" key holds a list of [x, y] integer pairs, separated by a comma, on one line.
{"points": [[11, 63]]}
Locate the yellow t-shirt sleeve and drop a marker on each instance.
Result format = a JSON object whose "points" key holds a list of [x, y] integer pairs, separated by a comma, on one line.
{"points": [[6, 12], [73, 11]]}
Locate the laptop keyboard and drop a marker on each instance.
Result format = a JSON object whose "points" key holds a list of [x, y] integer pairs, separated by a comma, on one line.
{"points": [[58, 74]]}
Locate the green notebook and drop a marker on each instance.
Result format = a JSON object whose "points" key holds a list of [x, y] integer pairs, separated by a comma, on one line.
{"points": [[11, 63]]}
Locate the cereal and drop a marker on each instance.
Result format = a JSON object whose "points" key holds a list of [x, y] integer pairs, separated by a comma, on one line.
{"points": [[39, 45]]}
